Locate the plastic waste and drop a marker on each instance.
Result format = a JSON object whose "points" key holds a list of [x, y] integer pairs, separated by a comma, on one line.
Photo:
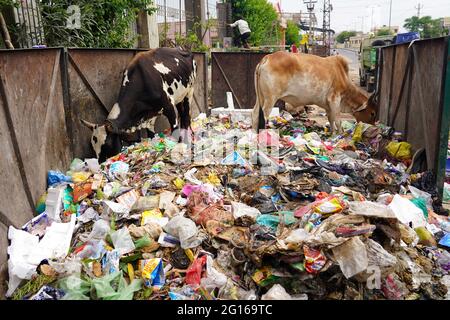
{"points": [[351, 256], [277, 292], [119, 168], [241, 209], [214, 279], [114, 287], [153, 272], [100, 229], [399, 150], [272, 221], [406, 212], [56, 177], [75, 288], [194, 272], [185, 230], [122, 241]]}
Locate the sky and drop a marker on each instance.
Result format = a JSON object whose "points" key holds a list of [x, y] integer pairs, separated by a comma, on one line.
{"points": [[355, 14]]}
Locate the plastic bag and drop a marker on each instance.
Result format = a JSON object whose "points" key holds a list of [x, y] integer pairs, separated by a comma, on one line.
{"points": [[241, 209], [105, 285], [80, 176], [277, 292], [119, 168], [399, 150], [214, 278], [272, 221], [100, 229], [122, 241], [407, 212], [56, 177], [194, 272], [329, 207], [76, 165], [75, 288], [185, 230], [351, 256]]}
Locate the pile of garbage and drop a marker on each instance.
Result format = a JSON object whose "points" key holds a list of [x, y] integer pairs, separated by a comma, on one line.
{"points": [[290, 213]]}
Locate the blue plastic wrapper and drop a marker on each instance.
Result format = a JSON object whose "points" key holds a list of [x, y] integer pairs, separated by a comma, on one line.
{"points": [[272, 221], [153, 272], [110, 261], [56, 177], [445, 240], [48, 293], [119, 167]]}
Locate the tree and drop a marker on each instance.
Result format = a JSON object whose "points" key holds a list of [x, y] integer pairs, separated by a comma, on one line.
{"points": [[261, 17], [104, 23], [427, 26], [384, 32], [292, 34], [345, 35]]}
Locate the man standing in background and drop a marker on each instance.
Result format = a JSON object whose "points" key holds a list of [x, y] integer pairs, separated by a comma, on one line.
{"points": [[244, 31]]}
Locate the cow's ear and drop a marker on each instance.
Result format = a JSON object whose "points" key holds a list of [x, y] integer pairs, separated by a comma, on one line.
{"points": [[373, 98], [88, 124]]}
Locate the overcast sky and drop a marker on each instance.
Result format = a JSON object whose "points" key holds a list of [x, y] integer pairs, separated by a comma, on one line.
{"points": [[350, 14]]}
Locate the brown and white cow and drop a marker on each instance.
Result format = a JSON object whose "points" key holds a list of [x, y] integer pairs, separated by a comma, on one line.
{"points": [[304, 79]]}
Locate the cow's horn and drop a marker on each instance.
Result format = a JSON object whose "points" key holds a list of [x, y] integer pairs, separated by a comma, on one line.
{"points": [[361, 108], [88, 124]]}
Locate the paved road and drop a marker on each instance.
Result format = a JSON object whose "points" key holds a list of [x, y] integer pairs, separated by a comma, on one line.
{"points": [[352, 56]]}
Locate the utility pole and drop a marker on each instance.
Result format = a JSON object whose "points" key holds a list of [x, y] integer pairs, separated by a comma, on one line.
{"points": [[390, 15], [362, 23], [419, 7], [310, 6], [327, 8]]}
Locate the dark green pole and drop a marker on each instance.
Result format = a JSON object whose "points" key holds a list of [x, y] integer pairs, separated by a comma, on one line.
{"points": [[445, 123]]}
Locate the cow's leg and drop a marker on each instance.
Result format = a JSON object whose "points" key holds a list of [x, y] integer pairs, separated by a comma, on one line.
{"points": [[264, 111], [185, 119], [333, 112]]}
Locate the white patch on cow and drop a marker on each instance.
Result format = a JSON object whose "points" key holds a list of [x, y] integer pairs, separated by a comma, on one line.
{"points": [[161, 68], [177, 61], [100, 135], [115, 111], [145, 124], [125, 80]]}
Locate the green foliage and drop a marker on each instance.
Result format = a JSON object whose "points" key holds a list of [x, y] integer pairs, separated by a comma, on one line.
{"points": [[191, 41], [427, 26], [345, 35], [8, 3], [104, 23], [384, 32], [261, 17], [292, 34]]}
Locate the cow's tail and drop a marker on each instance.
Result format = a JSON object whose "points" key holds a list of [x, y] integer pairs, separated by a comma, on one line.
{"points": [[257, 110]]}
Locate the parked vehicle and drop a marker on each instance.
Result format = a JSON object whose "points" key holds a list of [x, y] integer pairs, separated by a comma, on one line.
{"points": [[368, 57]]}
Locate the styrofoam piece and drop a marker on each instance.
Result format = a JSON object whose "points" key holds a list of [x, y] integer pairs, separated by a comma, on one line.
{"points": [[230, 101], [53, 203]]}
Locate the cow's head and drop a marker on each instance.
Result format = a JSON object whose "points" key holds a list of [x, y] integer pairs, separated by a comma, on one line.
{"points": [[104, 141], [367, 112]]}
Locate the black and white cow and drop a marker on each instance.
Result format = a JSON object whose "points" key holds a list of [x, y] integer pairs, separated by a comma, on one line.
{"points": [[155, 82]]}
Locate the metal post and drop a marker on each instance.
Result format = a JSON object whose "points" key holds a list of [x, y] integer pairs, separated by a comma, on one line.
{"points": [[390, 14], [165, 23]]}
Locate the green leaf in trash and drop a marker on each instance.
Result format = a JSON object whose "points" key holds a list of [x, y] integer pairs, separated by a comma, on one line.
{"points": [[113, 223], [142, 242], [131, 258]]}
